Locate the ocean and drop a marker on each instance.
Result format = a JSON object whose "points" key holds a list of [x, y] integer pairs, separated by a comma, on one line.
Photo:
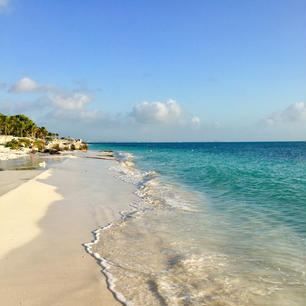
{"points": [[214, 224]]}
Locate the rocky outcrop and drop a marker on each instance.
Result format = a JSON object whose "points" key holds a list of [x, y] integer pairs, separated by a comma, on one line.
{"points": [[65, 145]]}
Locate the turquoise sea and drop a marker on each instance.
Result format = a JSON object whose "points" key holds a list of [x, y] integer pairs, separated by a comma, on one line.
{"points": [[215, 224]]}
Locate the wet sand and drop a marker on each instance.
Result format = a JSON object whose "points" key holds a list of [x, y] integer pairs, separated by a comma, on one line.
{"points": [[44, 223]]}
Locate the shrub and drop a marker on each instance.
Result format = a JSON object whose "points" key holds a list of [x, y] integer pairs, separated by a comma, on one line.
{"points": [[39, 144], [13, 144], [25, 141]]}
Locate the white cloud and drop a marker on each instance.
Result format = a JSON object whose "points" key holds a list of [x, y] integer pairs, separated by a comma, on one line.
{"points": [[75, 105], [195, 121], [3, 3], [75, 101], [27, 85], [24, 85], [64, 104], [292, 114], [158, 112]]}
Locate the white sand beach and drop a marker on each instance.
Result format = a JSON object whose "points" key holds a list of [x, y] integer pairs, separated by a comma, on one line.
{"points": [[44, 222], [7, 153]]}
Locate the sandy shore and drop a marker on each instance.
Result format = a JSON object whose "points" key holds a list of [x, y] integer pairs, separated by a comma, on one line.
{"points": [[7, 153], [12, 179], [45, 221]]}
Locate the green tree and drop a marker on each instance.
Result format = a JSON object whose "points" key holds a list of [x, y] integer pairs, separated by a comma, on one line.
{"points": [[21, 125]]}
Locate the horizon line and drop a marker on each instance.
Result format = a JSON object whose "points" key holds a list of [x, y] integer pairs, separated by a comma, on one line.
{"points": [[216, 141]]}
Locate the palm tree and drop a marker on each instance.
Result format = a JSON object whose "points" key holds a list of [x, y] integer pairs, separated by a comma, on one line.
{"points": [[20, 125], [1, 123], [6, 124], [34, 130], [44, 131]]}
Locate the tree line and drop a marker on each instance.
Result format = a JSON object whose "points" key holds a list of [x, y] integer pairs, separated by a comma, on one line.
{"points": [[22, 126]]}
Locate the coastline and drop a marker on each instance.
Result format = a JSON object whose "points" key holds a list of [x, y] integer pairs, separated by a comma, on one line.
{"points": [[47, 264], [178, 248], [150, 241]]}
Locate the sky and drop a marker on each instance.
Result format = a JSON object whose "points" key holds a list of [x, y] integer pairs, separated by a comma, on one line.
{"points": [[162, 70]]}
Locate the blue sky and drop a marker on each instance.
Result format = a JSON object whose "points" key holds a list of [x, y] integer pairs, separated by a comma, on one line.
{"points": [[156, 70]]}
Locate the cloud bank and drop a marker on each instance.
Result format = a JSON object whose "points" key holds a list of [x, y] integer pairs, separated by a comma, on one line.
{"points": [[162, 113], [75, 106], [294, 113], [74, 101], [195, 121], [61, 104], [157, 112]]}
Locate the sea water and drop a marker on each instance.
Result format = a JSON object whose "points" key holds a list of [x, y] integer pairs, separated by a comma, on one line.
{"points": [[215, 224]]}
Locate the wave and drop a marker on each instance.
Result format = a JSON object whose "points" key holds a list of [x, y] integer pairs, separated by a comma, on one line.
{"points": [[152, 255], [150, 188], [152, 194], [110, 280]]}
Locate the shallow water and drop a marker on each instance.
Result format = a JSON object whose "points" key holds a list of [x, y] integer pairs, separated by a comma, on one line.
{"points": [[215, 224], [30, 162], [27, 162]]}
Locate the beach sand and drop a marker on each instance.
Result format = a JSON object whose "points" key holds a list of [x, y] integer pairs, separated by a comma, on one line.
{"points": [[45, 221], [12, 179]]}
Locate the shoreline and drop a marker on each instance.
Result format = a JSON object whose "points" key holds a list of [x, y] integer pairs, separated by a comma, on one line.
{"points": [[50, 266], [161, 255], [104, 264], [102, 195]]}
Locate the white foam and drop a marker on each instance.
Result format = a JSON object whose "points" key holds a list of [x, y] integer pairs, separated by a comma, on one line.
{"points": [[151, 193], [149, 188], [110, 280]]}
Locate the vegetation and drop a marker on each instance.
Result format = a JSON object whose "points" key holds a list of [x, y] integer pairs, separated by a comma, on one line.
{"points": [[16, 144], [25, 142], [39, 144], [22, 126], [29, 135], [13, 144]]}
